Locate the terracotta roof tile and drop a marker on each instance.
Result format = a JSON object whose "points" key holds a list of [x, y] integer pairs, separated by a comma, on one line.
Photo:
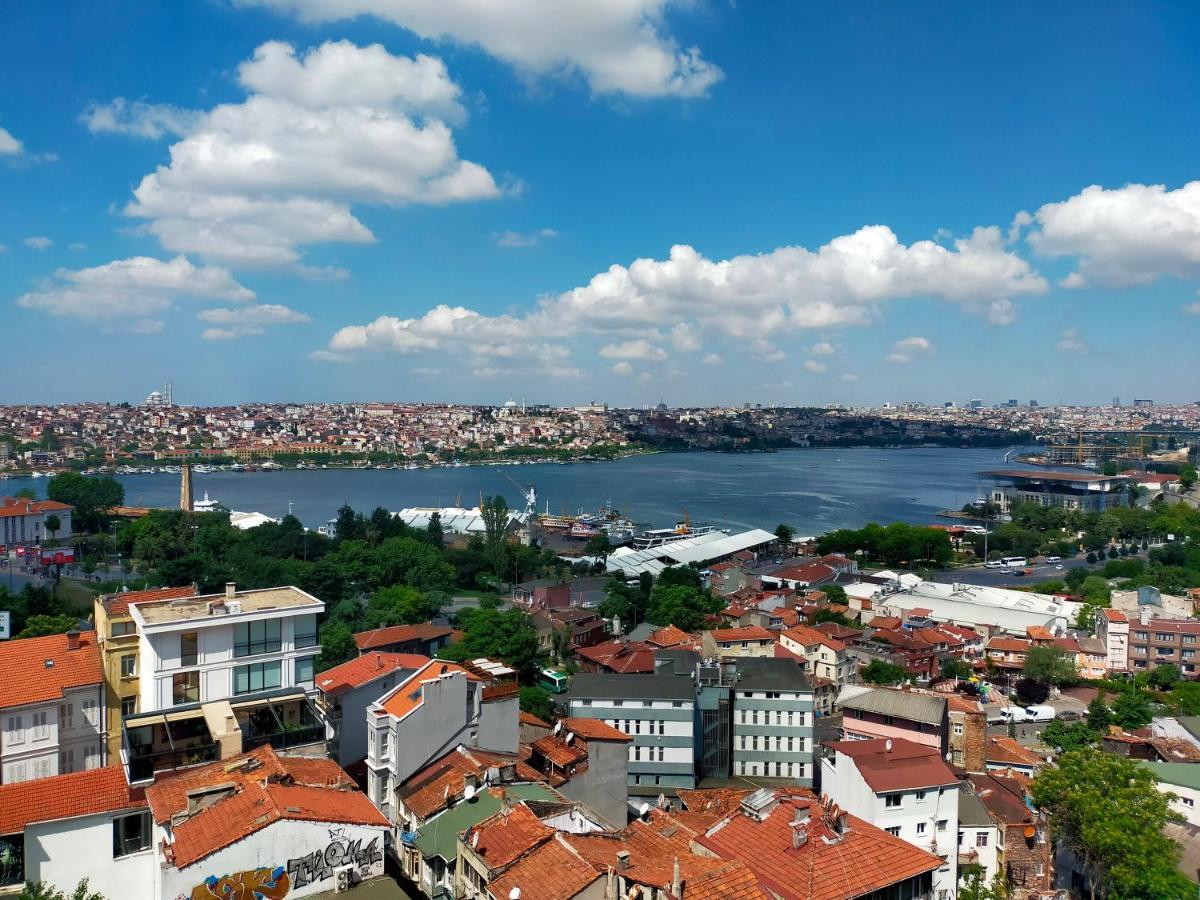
{"points": [[399, 634], [66, 796], [808, 637], [441, 782], [528, 718], [594, 730], [118, 604], [747, 633], [366, 668], [26, 678], [1003, 749], [19, 506], [624, 657], [410, 693], [551, 872], [905, 766], [734, 881], [504, 837], [669, 636]]}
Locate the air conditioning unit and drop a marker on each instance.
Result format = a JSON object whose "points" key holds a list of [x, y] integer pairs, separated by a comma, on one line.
{"points": [[345, 879]]}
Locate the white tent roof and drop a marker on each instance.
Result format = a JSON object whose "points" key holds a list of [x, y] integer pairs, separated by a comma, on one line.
{"points": [[702, 547]]}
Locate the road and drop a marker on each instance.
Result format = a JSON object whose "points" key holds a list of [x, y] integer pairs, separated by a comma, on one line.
{"points": [[997, 578]]}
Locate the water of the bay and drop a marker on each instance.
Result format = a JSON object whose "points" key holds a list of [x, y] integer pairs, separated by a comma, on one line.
{"points": [[813, 489]]}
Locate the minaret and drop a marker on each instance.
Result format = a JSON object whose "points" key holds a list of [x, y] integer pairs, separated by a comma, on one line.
{"points": [[185, 487]]}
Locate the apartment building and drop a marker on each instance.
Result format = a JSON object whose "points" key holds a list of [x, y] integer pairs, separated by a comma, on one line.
{"points": [[1153, 642], [773, 721], [751, 640], [1007, 653], [828, 658], [658, 711], [221, 674], [118, 640], [435, 709], [345, 692], [904, 788], [51, 706], [917, 716], [1112, 629]]}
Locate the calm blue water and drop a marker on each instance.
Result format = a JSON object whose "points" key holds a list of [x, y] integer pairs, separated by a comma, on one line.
{"points": [[815, 490]]}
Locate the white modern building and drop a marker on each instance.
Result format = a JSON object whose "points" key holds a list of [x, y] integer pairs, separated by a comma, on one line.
{"points": [[23, 521], [1182, 780], [904, 788], [222, 646], [978, 836], [51, 706]]}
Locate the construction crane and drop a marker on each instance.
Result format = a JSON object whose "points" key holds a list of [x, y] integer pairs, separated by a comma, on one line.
{"points": [[528, 494]]}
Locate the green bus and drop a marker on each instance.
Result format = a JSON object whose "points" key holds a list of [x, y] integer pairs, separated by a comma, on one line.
{"points": [[554, 682]]}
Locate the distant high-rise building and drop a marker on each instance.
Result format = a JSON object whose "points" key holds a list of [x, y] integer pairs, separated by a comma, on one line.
{"points": [[975, 404], [1012, 403], [1143, 402], [1033, 404], [949, 404]]}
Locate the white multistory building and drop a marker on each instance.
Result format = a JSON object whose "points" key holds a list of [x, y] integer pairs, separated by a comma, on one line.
{"points": [[51, 706], [904, 788]]}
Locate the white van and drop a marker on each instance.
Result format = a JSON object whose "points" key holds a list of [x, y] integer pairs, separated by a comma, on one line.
{"points": [[1013, 714], [1053, 559], [1040, 713], [993, 564]]}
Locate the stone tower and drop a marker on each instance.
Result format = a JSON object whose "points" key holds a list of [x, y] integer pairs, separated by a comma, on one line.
{"points": [[185, 487]]}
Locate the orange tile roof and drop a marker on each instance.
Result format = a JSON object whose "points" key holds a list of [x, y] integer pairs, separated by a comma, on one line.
{"points": [[896, 765], [118, 604], [19, 506], [266, 788], [807, 637], [669, 636], [1008, 645], [733, 881], [653, 848], [410, 693], [528, 718], [559, 752], [441, 782], [624, 657], [1003, 749], [399, 634], [500, 839], [1114, 615], [65, 796], [594, 730], [746, 633], [551, 872], [366, 668], [25, 677], [828, 866]]}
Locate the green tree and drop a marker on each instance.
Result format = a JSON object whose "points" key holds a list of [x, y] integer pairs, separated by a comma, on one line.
{"points": [[26, 493], [1187, 477], [349, 525], [1095, 590], [494, 512], [1131, 709], [39, 890], [599, 546], [1050, 664], [506, 634], [400, 605], [972, 886], [1063, 737], [784, 534], [537, 702], [681, 605], [53, 524], [1098, 715], [1164, 676], [834, 593], [434, 533], [880, 672], [41, 626], [337, 645], [955, 668], [91, 498], [1109, 812]]}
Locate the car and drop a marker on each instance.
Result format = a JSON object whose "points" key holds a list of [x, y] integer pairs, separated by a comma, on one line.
{"points": [[1019, 572], [1042, 713], [1070, 715], [1058, 568], [993, 564], [1006, 571], [1053, 559], [1013, 714]]}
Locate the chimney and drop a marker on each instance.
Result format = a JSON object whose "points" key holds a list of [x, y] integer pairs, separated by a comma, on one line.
{"points": [[73, 639], [676, 881], [1144, 614], [799, 835], [622, 860], [230, 590]]}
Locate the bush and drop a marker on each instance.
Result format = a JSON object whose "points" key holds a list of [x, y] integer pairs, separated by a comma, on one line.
{"points": [[1091, 557]]}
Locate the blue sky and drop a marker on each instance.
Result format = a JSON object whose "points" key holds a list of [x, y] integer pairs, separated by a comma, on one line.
{"points": [[263, 200]]}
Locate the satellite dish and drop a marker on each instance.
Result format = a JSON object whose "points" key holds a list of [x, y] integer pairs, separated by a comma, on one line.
{"points": [[570, 737], [887, 745], [645, 809], [514, 894], [469, 792], [557, 730]]}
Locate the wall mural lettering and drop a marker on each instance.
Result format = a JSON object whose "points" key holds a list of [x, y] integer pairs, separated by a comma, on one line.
{"points": [[320, 864], [255, 884]]}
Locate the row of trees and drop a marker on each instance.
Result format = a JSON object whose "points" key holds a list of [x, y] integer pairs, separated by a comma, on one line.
{"points": [[896, 544]]}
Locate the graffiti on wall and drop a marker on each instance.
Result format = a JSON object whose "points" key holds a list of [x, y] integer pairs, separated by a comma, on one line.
{"points": [[255, 884], [320, 864]]}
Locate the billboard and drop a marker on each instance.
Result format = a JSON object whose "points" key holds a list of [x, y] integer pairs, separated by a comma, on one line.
{"points": [[58, 556]]}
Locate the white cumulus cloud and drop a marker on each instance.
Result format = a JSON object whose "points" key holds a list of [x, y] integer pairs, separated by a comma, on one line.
{"points": [[251, 183], [824, 348], [131, 288], [523, 239], [636, 349], [261, 314], [1125, 236], [813, 366], [618, 46], [714, 359], [9, 145], [1070, 341], [1002, 312], [622, 368], [138, 118], [38, 242], [906, 349]]}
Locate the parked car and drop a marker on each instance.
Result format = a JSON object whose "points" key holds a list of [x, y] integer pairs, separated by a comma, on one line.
{"points": [[1053, 559], [1013, 714], [1070, 715], [1042, 713]]}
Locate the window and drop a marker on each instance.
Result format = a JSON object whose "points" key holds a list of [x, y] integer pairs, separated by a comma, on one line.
{"points": [[120, 629], [920, 796], [306, 631], [920, 828], [41, 726], [252, 638], [661, 754], [189, 642], [888, 720], [958, 729], [66, 716], [91, 712], [128, 706], [1161, 636], [91, 757], [894, 831], [128, 665], [1187, 801], [892, 801], [1141, 635], [1189, 639], [941, 825], [13, 732], [131, 834], [304, 670], [383, 744], [981, 839], [185, 688], [256, 677]]}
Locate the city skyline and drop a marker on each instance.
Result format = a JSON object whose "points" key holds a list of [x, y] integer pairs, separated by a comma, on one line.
{"points": [[283, 200]]}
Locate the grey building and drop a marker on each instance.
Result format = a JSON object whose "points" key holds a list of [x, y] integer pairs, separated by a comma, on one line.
{"points": [[773, 721], [658, 712]]}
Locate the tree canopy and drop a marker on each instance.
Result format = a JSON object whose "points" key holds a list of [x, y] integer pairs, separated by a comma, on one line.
{"points": [[1051, 665], [894, 544], [879, 672], [91, 496]]}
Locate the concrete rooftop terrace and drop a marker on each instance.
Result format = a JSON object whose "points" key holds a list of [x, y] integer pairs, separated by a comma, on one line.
{"points": [[230, 603]]}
